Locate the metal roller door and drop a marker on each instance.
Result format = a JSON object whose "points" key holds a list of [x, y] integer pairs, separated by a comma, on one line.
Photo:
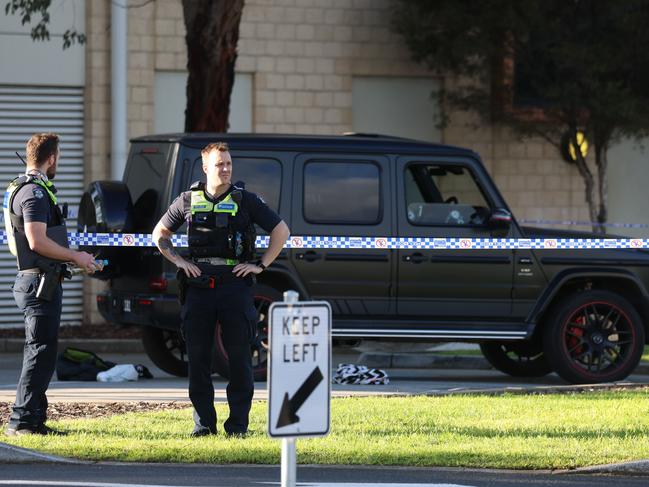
{"points": [[25, 110]]}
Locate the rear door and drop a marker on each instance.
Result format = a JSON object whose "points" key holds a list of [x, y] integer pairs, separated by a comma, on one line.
{"points": [[444, 198], [344, 196]]}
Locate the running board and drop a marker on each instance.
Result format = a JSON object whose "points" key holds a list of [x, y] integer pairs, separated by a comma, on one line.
{"points": [[456, 334]]}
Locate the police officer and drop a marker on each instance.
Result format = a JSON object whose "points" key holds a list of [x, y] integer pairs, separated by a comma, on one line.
{"points": [[216, 282], [37, 236]]}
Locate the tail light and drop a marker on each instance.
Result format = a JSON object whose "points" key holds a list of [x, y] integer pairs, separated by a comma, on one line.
{"points": [[101, 299], [144, 302], [158, 284]]}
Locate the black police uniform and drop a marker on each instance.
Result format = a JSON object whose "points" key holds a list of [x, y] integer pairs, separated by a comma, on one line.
{"points": [[31, 199], [220, 228]]}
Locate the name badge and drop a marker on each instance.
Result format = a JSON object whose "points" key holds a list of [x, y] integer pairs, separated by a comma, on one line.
{"points": [[225, 207]]}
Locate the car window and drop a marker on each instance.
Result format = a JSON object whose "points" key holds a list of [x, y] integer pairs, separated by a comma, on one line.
{"points": [[261, 176], [342, 192], [145, 177], [438, 194]]}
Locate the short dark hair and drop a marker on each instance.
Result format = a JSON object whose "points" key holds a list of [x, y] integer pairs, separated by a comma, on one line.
{"points": [[219, 146], [40, 147]]}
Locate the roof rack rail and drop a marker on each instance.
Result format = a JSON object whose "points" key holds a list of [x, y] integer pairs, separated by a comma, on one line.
{"points": [[366, 134]]}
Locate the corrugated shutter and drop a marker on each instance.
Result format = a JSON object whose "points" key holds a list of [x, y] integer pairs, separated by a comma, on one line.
{"points": [[25, 110]]}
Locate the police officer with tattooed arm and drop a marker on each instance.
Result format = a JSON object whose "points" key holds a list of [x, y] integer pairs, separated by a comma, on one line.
{"points": [[215, 282], [37, 236]]}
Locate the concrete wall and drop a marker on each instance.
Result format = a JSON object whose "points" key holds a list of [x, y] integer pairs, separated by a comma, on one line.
{"points": [[25, 61]]}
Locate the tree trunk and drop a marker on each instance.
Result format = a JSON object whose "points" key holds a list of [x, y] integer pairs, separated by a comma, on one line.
{"points": [[601, 161], [212, 34], [589, 181]]}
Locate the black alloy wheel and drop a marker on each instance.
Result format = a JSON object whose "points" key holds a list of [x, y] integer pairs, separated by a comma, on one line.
{"points": [[263, 296], [166, 349], [594, 336], [518, 359]]}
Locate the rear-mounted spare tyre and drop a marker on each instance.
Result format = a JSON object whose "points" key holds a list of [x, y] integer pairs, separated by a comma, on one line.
{"points": [[106, 207]]}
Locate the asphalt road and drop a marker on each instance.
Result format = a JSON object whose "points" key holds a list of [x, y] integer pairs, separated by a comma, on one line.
{"points": [[113, 475]]}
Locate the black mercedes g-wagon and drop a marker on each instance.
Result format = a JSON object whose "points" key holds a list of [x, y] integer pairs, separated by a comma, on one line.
{"points": [[581, 313]]}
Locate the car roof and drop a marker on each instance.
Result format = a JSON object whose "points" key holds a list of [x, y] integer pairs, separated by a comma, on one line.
{"points": [[324, 143]]}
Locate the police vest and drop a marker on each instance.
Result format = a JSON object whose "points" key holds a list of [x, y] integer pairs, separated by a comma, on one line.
{"points": [[15, 224], [220, 229]]}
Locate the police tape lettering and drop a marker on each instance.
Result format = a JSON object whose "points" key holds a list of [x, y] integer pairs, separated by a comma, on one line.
{"points": [[323, 242]]}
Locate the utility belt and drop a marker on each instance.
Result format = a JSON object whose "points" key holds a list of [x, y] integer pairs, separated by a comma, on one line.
{"points": [[50, 275], [215, 261], [211, 278]]}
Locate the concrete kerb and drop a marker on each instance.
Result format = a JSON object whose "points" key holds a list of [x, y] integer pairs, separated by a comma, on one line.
{"points": [[637, 467], [16, 454]]}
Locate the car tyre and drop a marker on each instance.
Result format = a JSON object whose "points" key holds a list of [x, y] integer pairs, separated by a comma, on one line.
{"points": [[594, 336], [518, 359], [264, 296], [166, 349]]}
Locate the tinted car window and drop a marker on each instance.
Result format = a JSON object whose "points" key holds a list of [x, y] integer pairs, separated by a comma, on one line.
{"points": [[443, 195], [262, 177], [146, 177], [342, 192]]}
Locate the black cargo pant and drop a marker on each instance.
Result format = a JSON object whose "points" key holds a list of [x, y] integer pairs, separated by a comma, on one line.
{"points": [[42, 319], [232, 305]]}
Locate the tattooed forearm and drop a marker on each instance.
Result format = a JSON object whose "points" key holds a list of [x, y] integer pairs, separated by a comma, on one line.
{"points": [[167, 248]]}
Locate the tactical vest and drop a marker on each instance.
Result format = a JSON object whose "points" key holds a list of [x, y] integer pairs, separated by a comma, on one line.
{"points": [[15, 225], [219, 229]]}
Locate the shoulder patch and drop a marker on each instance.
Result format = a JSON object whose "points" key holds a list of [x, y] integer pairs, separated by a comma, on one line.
{"points": [[38, 193]]}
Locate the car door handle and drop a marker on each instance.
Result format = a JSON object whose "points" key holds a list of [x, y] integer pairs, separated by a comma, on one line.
{"points": [[415, 258], [309, 256]]}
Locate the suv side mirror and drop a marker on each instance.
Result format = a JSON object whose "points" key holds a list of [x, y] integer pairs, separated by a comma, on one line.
{"points": [[500, 218]]}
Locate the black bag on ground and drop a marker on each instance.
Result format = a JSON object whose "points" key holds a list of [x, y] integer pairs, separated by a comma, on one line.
{"points": [[76, 364]]}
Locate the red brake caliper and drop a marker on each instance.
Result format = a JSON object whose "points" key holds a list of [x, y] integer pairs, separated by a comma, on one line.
{"points": [[575, 333]]}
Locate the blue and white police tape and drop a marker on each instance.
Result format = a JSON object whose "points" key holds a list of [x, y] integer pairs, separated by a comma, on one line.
{"points": [[323, 242], [584, 223]]}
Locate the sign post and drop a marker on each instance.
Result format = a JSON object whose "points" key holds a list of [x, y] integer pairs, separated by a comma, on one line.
{"points": [[299, 375]]}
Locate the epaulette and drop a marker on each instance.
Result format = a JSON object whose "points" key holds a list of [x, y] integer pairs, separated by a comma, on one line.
{"points": [[23, 179], [239, 185], [236, 195], [197, 186]]}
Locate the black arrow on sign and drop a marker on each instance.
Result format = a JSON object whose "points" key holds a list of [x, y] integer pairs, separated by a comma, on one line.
{"points": [[290, 407]]}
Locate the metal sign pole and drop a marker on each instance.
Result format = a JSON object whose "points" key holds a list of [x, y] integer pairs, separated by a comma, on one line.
{"points": [[289, 462], [289, 454]]}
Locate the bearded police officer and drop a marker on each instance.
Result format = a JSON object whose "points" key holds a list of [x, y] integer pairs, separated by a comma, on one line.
{"points": [[37, 236], [215, 282]]}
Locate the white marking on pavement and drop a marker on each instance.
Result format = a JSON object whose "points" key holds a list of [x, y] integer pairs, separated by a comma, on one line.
{"points": [[64, 483], [357, 484]]}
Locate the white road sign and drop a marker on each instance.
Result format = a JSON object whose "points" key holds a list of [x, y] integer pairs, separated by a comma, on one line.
{"points": [[299, 377]]}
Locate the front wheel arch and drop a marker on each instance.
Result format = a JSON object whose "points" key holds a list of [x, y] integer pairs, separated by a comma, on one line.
{"points": [[593, 336], [624, 285]]}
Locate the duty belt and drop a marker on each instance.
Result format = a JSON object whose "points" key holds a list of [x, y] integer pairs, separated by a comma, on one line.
{"points": [[215, 261], [212, 281]]}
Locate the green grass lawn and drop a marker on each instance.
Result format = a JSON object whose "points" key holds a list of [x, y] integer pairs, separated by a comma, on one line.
{"points": [[510, 431]]}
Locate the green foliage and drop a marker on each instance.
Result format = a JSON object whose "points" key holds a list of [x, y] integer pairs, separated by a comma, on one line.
{"points": [[509, 431], [40, 32], [586, 61], [578, 65]]}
